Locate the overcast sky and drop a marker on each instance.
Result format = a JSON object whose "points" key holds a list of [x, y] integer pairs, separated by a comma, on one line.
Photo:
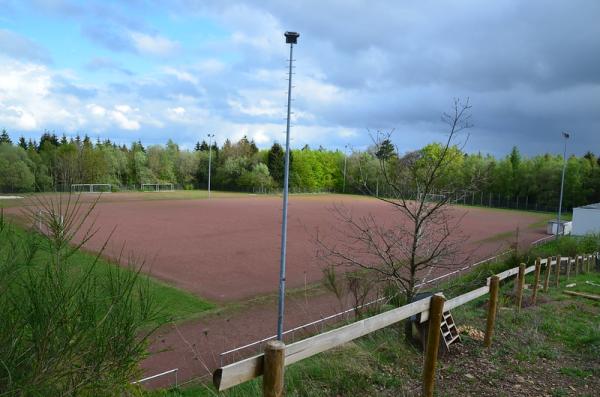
{"points": [[181, 69]]}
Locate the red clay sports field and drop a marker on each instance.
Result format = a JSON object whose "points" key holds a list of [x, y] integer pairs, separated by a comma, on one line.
{"points": [[227, 249]]}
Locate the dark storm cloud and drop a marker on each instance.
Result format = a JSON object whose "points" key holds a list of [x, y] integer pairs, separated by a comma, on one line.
{"points": [[530, 68]]}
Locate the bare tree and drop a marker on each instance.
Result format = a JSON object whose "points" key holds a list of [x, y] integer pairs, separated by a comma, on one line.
{"points": [[423, 234]]}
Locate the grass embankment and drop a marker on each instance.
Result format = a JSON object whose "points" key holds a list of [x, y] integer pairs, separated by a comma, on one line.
{"points": [[174, 304], [550, 349]]}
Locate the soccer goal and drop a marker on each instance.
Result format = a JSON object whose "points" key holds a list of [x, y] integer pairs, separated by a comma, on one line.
{"points": [[91, 188], [46, 222], [435, 197], [432, 197], [157, 187]]}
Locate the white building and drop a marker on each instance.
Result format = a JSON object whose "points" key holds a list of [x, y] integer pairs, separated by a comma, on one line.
{"points": [[586, 219]]}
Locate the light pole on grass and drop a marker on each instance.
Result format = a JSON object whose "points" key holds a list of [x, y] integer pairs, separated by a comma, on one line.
{"points": [[565, 135], [291, 38], [210, 136]]}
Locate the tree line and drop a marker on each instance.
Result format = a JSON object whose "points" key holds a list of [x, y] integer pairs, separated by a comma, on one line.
{"points": [[55, 163]]}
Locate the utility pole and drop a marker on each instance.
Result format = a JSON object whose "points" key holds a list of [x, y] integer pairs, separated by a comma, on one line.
{"points": [[291, 38], [566, 135], [210, 136]]}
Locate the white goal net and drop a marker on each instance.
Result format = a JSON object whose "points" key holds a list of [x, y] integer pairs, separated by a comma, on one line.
{"points": [[91, 188], [157, 187]]}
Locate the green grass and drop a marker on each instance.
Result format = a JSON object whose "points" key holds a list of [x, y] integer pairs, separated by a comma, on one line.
{"points": [[174, 304]]}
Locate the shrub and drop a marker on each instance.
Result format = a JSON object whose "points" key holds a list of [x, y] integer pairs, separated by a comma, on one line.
{"points": [[590, 243], [569, 246], [66, 329]]}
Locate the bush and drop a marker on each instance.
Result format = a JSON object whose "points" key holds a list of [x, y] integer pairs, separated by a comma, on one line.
{"points": [[569, 246], [66, 329], [590, 243]]}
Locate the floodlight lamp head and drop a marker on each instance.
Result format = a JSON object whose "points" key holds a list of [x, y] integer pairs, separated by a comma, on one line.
{"points": [[291, 37]]}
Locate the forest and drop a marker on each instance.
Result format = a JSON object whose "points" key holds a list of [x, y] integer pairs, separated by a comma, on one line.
{"points": [[54, 163]]}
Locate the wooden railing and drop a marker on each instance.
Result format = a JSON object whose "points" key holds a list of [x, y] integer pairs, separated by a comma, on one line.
{"points": [[242, 371]]}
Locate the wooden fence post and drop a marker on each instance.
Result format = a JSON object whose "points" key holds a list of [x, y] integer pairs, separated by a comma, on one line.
{"points": [[436, 309], [536, 279], [577, 263], [587, 266], [569, 267], [548, 271], [520, 285], [492, 307], [558, 261], [274, 362]]}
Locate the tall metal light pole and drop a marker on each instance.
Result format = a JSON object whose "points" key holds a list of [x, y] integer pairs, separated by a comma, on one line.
{"points": [[565, 135], [291, 38], [210, 136], [345, 158]]}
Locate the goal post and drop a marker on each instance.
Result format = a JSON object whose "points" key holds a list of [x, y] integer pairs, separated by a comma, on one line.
{"points": [[157, 187], [46, 221], [435, 197], [432, 197], [91, 188]]}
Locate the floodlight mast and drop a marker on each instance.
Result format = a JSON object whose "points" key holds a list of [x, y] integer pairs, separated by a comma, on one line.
{"points": [[345, 160], [210, 136], [291, 38], [565, 135]]}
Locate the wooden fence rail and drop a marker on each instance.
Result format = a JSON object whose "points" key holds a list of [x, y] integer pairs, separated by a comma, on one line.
{"points": [[242, 371]]}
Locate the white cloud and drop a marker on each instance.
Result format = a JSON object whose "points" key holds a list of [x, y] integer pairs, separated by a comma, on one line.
{"points": [[261, 137], [119, 117], [96, 110], [26, 102], [123, 108], [16, 115], [154, 45], [210, 66], [181, 75], [178, 110], [257, 107]]}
